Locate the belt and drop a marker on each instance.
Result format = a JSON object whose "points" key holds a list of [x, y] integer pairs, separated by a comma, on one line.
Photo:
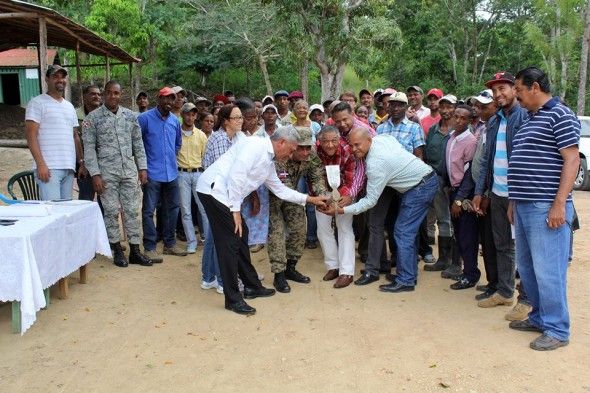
{"points": [[425, 178], [190, 169]]}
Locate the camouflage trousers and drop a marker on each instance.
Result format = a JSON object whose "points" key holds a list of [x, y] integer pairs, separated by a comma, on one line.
{"points": [[121, 192], [286, 233]]}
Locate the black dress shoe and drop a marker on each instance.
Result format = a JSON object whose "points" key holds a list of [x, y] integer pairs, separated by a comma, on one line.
{"points": [[392, 277], [463, 283], [485, 295], [366, 279], [241, 308], [280, 283], [251, 293], [394, 287]]}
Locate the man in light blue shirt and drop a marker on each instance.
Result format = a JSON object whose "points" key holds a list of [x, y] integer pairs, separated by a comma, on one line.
{"points": [[390, 165]]}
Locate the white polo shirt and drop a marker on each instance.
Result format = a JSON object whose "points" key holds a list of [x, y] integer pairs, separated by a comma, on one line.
{"points": [[57, 120]]}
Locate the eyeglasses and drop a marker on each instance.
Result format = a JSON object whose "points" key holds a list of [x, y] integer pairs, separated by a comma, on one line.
{"points": [[329, 141], [236, 117]]}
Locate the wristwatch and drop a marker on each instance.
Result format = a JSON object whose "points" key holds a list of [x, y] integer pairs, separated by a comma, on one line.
{"points": [[458, 203]]}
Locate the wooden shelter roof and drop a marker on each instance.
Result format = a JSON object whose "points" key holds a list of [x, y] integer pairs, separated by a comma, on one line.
{"points": [[19, 27]]}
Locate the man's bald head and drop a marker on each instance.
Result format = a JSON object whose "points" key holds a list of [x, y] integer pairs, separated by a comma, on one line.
{"points": [[360, 141]]}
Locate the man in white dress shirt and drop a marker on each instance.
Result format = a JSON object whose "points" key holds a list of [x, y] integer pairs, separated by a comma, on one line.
{"points": [[222, 188]]}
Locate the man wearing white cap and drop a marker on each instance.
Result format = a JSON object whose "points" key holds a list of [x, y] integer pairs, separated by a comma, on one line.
{"points": [[316, 113], [269, 118]]}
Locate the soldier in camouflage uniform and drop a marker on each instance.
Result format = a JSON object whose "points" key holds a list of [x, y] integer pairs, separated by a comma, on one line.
{"points": [[116, 159], [285, 248]]}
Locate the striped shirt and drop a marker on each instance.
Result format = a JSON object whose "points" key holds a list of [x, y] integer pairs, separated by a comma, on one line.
{"points": [[536, 163], [408, 133], [217, 144], [500, 181], [57, 120], [388, 165]]}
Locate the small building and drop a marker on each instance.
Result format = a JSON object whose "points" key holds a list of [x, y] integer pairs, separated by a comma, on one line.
{"points": [[19, 75]]}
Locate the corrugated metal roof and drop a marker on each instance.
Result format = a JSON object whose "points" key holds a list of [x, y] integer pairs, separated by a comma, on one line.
{"points": [[24, 57], [61, 32]]}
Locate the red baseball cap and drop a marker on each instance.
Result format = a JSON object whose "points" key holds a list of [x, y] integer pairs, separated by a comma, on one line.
{"points": [[501, 77], [438, 93], [296, 94], [220, 97], [165, 92]]}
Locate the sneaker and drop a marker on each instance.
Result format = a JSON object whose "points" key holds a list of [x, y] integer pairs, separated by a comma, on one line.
{"points": [[429, 258], [463, 283], [547, 343], [191, 250], [153, 256], [496, 300], [520, 312], [174, 250], [524, 326], [209, 285], [219, 290]]}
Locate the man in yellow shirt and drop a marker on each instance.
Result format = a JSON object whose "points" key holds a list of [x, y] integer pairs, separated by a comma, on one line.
{"points": [[189, 160]]}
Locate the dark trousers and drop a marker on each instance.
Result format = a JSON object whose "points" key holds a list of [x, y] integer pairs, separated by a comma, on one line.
{"points": [[486, 239], [233, 251], [502, 235], [85, 188], [465, 228], [379, 221], [423, 246], [167, 193]]}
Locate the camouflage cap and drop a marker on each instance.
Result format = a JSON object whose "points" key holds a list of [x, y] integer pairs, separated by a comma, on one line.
{"points": [[304, 136]]}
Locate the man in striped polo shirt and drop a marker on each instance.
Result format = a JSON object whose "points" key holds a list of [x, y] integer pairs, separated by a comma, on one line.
{"points": [[541, 173]]}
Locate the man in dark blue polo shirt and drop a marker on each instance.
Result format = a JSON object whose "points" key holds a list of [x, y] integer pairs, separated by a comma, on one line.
{"points": [[162, 139], [541, 173]]}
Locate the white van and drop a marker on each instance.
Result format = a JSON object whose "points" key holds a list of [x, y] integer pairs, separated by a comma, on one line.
{"points": [[583, 180]]}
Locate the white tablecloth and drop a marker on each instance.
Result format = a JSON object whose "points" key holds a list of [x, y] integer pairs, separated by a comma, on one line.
{"points": [[36, 252]]}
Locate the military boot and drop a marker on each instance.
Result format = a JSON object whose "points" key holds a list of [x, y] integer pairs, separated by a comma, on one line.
{"points": [[444, 255], [280, 283], [455, 269], [294, 275], [136, 257], [118, 255]]}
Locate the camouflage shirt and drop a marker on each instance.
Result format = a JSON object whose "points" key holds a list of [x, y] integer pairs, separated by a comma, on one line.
{"points": [[112, 143], [291, 171]]}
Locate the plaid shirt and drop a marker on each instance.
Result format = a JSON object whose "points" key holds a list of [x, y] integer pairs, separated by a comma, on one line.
{"points": [[348, 168], [217, 144], [407, 133]]}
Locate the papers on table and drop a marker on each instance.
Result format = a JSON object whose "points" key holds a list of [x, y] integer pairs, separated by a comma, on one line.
{"points": [[25, 210]]}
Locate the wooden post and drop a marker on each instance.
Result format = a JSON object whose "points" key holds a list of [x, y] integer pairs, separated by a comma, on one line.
{"points": [[79, 73], [42, 54], [63, 288], [16, 317], [107, 70], [83, 274], [131, 87]]}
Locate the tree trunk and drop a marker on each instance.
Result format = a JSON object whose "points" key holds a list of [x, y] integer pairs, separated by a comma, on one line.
{"points": [[331, 82], [453, 54], [485, 60], [584, 63], [264, 70], [564, 67], [304, 78]]}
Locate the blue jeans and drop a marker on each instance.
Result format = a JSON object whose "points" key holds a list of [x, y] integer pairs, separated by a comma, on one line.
{"points": [[59, 185], [542, 259], [168, 195], [210, 263], [312, 225], [187, 185], [412, 211]]}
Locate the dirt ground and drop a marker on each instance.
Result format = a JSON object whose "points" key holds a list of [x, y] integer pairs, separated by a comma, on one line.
{"points": [[153, 329]]}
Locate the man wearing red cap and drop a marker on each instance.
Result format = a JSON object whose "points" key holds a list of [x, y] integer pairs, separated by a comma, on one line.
{"points": [[433, 117], [493, 182], [162, 139]]}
